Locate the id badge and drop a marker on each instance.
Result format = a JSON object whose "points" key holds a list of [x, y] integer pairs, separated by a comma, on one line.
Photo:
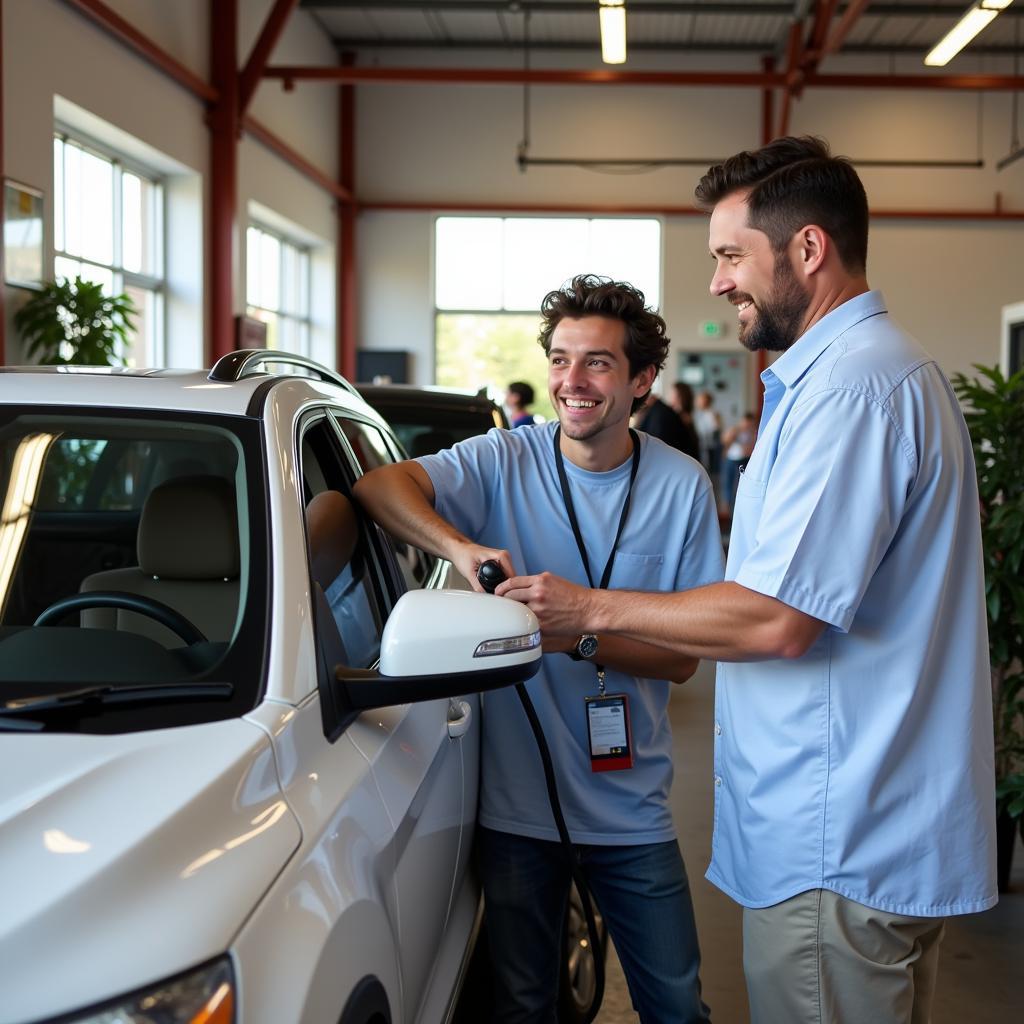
{"points": [[608, 729]]}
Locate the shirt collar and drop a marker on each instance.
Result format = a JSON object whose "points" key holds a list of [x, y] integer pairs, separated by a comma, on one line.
{"points": [[801, 356]]}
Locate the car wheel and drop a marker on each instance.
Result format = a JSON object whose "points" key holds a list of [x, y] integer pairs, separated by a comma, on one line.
{"points": [[578, 971]]}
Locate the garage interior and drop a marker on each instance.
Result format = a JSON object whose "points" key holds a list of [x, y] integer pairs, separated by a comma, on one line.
{"points": [[344, 130]]}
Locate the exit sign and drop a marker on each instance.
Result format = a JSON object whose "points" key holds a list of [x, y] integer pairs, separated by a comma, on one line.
{"points": [[711, 328]]}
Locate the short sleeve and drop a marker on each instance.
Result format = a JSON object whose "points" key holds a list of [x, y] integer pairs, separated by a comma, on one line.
{"points": [[702, 557], [832, 504], [463, 478]]}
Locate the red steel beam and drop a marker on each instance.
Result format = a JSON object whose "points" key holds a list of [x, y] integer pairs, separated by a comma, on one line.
{"points": [[270, 34], [741, 79], [514, 76], [850, 18], [224, 127], [100, 14], [292, 156], [794, 52], [998, 213], [346, 297], [767, 105]]}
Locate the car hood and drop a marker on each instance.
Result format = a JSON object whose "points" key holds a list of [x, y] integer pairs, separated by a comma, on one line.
{"points": [[129, 858]]}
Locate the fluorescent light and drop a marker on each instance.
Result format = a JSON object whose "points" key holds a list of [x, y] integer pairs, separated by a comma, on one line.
{"points": [[977, 16], [613, 31]]}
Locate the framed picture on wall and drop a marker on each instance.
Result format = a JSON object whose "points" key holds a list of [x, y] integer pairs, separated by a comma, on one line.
{"points": [[23, 235]]}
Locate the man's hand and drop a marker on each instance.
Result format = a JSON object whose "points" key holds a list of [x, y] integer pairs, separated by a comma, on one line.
{"points": [[560, 606], [468, 557]]}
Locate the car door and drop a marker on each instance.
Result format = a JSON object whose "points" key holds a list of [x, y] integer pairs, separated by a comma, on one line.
{"points": [[415, 752]]}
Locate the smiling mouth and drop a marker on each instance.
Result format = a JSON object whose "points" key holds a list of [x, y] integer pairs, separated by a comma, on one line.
{"points": [[579, 403], [740, 306]]}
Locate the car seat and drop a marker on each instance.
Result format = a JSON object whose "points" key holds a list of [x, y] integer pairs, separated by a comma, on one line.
{"points": [[188, 555]]}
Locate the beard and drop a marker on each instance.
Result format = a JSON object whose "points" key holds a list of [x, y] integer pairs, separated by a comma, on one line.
{"points": [[780, 316]]}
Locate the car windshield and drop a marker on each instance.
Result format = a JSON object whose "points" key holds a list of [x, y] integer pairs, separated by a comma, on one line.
{"points": [[131, 550]]}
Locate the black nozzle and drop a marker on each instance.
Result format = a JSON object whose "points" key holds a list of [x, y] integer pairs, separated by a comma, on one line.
{"points": [[489, 575]]}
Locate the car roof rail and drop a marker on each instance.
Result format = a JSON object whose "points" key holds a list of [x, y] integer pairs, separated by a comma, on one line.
{"points": [[240, 363]]}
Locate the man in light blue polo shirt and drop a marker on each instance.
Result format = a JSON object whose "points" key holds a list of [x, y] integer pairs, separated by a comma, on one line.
{"points": [[854, 804]]}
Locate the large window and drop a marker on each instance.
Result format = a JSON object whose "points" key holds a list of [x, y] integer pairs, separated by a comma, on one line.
{"points": [[277, 289], [108, 228], [491, 274]]}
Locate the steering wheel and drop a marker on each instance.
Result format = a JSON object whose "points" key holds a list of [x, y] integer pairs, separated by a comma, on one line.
{"points": [[148, 606]]}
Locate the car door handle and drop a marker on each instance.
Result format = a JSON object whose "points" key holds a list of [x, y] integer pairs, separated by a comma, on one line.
{"points": [[460, 715]]}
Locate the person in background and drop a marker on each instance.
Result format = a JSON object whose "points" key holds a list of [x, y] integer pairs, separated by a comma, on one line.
{"points": [[662, 421], [605, 506], [738, 442], [519, 398], [708, 425]]}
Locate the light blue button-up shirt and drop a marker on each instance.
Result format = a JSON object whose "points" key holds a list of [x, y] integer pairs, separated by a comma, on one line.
{"points": [[865, 766]]}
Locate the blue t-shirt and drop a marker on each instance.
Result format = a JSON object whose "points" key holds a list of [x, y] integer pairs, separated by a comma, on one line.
{"points": [[502, 490]]}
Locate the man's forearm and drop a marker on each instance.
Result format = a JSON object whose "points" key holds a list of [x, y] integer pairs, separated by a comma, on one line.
{"points": [[397, 498], [643, 659], [722, 622]]}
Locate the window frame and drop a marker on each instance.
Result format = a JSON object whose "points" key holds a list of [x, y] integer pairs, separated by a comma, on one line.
{"points": [[152, 350], [303, 321]]}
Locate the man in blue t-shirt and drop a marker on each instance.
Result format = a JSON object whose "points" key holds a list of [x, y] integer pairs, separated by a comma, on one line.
{"points": [[588, 500]]}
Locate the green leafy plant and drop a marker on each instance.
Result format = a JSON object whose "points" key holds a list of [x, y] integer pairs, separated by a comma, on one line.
{"points": [[994, 409], [74, 322]]}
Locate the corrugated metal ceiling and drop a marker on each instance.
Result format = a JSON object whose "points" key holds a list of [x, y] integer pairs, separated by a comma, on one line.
{"points": [[761, 26]]}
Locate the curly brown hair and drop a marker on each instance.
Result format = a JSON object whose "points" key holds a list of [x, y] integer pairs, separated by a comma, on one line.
{"points": [[793, 182], [645, 343]]}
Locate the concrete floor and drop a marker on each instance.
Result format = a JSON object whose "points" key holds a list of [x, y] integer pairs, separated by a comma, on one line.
{"points": [[982, 956]]}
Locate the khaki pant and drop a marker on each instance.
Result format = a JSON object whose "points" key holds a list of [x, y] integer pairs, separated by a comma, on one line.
{"points": [[819, 958]]}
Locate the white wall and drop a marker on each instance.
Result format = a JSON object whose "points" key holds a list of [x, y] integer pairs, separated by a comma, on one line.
{"points": [[946, 280], [52, 51]]}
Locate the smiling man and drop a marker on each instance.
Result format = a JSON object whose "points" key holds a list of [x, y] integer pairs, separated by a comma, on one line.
{"points": [[853, 749], [598, 504]]}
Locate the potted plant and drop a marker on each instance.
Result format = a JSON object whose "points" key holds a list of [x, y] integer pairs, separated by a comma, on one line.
{"points": [[74, 322], [994, 409]]}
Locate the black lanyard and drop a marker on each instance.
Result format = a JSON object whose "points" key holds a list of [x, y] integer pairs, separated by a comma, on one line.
{"points": [[571, 511]]}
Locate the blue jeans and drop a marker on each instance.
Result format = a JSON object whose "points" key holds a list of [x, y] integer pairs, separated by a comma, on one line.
{"points": [[644, 897]]}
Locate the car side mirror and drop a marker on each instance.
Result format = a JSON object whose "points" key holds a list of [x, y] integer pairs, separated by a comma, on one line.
{"points": [[445, 643]]}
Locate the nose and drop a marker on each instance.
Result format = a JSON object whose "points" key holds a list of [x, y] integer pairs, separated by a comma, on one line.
{"points": [[575, 375], [721, 282]]}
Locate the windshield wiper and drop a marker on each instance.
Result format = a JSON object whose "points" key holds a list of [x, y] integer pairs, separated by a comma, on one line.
{"points": [[26, 710]]}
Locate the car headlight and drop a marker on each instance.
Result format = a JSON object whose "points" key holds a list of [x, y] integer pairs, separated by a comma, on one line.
{"points": [[203, 996]]}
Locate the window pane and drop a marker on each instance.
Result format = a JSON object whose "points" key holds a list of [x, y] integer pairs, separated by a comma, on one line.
{"points": [[270, 319], [142, 347], [58, 194], [491, 350], [628, 250], [91, 195], [290, 279], [469, 263], [540, 254], [63, 267], [252, 266], [134, 215], [270, 271]]}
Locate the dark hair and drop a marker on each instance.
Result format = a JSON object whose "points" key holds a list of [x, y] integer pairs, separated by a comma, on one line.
{"points": [[522, 391], [794, 182], [645, 343], [684, 395]]}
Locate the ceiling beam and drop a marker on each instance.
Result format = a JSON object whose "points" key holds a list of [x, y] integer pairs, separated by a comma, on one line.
{"points": [[264, 45], [539, 76], [850, 17]]}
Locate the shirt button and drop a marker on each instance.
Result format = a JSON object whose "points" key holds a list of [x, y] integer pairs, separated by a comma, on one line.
{"points": [[718, 780], [718, 729]]}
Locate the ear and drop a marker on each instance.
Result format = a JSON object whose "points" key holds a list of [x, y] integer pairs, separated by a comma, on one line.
{"points": [[810, 247], [644, 380]]}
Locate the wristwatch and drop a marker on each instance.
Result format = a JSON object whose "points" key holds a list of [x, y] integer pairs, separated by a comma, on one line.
{"points": [[585, 649]]}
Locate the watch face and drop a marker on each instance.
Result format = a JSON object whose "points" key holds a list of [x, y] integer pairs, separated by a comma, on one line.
{"points": [[586, 646]]}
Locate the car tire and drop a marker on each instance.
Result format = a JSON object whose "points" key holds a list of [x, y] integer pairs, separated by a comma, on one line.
{"points": [[578, 981]]}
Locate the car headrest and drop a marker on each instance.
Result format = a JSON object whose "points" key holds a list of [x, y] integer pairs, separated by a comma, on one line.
{"points": [[189, 530], [333, 535]]}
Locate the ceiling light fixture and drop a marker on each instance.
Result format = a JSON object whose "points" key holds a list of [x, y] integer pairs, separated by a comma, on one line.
{"points": [[975, 18], [613, 31]]}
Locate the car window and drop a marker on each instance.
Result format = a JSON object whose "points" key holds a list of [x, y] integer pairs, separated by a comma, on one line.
{"points": [[349, 621], [371, 448], [136, 538]]}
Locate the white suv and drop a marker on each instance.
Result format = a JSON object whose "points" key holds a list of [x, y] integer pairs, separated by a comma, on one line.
{"points": [[200, 819]]}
